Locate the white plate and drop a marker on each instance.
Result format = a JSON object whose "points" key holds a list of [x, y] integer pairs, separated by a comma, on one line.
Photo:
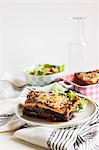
{"points": [[78, 118]]}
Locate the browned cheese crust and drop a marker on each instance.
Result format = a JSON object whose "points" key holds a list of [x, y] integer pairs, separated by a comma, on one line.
{"points": [[87, 78], [54, 107]]}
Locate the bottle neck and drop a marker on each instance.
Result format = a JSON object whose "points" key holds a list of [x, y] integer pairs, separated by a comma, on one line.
{"points": [[79, 29]]}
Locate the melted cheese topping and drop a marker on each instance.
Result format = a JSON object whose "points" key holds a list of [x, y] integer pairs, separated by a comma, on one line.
{"points": [[54, 102]]}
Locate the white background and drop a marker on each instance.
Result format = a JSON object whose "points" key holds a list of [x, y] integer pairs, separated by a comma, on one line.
{"points": [[39, 31]]}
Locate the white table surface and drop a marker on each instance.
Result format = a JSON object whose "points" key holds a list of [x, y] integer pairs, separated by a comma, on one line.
{"points": [[7, 142]]}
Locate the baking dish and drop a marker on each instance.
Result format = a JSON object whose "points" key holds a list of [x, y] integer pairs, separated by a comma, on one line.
{"points": [[91, 91]]}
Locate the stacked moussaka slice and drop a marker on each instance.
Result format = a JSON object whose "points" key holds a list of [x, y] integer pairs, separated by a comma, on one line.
{"points": [[53, 107]]}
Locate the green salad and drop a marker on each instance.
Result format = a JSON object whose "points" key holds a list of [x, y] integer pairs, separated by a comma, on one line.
{"points": [[47, 69], [71, 95]]}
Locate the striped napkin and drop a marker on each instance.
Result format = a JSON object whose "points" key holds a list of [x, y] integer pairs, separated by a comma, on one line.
{"points": [[82, 137]]}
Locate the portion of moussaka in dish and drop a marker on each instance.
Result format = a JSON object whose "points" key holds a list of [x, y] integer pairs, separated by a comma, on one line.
{"points": [[87, 78], [49, 106]]}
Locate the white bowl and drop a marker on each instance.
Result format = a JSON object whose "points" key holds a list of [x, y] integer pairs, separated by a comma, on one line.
{"points": [[40, 80]]}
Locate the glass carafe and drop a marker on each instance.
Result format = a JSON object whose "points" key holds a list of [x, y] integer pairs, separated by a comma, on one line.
{"points": [[77, 48]]}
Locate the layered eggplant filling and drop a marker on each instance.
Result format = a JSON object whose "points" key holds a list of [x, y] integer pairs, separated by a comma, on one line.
{"points": [[52, 106]]}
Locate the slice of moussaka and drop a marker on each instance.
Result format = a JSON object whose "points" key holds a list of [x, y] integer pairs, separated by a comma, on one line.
{"points": [[53, 107], [87, 78]]}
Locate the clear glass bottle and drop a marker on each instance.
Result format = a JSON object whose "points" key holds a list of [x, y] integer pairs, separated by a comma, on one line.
{"points": [[78, 48]]}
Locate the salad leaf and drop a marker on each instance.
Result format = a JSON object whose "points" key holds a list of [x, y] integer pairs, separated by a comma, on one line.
{"points": [[57, 69], [40, 72], [57, 89], [82, 103], [47, 65], [71, 95], [61, 68], [77, 109]]}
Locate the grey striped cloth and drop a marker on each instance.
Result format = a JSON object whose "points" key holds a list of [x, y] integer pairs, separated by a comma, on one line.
{"points": [[76, 138]]}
